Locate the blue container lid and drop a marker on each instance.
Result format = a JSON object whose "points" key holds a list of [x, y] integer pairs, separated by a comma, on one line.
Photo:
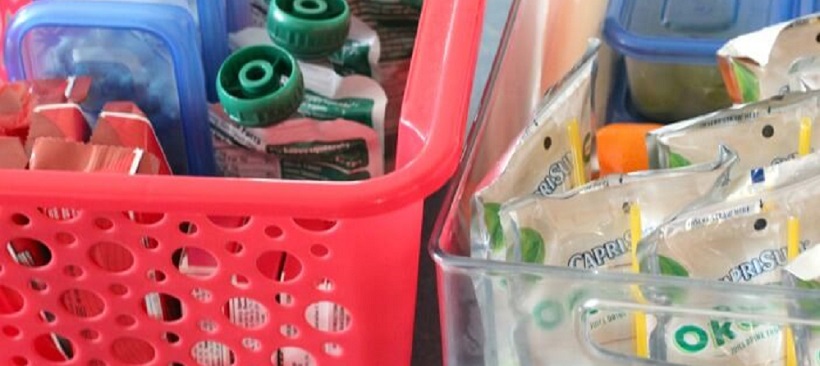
{"points": [[213, 26], [143, 52], [687, 31], [239, 15], [620, 107]]}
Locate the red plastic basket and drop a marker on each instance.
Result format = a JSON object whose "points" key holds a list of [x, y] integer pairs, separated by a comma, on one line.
{"points": [[317, 273]]}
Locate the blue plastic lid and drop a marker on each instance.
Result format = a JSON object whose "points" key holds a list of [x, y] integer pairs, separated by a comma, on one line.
{"points": [[239, 15], [687, 31], [143, 52], [213, 28], [213, 25]]}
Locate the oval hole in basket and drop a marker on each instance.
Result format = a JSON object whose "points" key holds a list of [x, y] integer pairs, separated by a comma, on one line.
{"points": [[195, 262], [279, 265], [54, 347], [230, 222], [163, 307], [29, 252], [144, 218], [111, 257], [315, 225], [11, 301], [210, 353], [246, 312], [20, 219], [82, 303], [132, 351], [292, 356], [326, 316], [59, 213]]}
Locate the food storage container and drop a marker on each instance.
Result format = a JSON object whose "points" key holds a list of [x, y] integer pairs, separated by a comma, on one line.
{"points": [[487, 320], [670, 49], [141, 51]]}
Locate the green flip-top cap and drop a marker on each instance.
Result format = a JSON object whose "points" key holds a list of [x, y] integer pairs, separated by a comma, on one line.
{"points": [[259, 86], [309, 29]]}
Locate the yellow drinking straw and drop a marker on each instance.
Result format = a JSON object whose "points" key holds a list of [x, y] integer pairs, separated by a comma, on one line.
{"points": [[792, 250], [804, 144], [635, 228], [577, 148]]}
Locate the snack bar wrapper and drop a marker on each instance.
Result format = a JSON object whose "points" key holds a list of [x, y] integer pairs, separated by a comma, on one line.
{"points": [[124, 124], [65, 121], [13, 106], [19, 100], [59, 154], [775, 60], [12, 153]]}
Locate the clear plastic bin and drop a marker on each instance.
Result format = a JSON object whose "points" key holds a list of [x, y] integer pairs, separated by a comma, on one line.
{"points": [[674, 42], [482, 326]]}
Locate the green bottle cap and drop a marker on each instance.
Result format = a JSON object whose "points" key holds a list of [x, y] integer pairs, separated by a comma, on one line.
{"points": [[259, 86], [309, 29]]}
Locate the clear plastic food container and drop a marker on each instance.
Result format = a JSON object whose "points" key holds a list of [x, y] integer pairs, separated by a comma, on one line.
{"points": [[484, 322], [670, 48], [145, 52]]}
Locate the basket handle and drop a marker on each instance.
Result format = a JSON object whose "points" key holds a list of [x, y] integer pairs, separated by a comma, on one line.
{"points": [[436, 113]]}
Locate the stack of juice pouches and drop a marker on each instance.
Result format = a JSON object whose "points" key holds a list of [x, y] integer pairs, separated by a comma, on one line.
{"points": [[716, 196], [287, 113]]}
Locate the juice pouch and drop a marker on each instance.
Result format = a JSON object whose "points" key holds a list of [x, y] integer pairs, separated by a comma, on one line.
{"points": [[542, 159], [358, 56], [772, 61], [589, 228], [762, 133], [749, 241], [330, 94], [141, 51], [261, 134], [300, 149]]}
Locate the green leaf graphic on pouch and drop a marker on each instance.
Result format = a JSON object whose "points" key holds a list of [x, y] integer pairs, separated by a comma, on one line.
{"points": [[747, 82], [810, 307], [532, 246], [493, 223], [678, 161], [670, 267]]}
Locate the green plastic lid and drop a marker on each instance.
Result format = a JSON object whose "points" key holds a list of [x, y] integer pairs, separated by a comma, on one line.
{"points": [[309, 29], [259, 86]]}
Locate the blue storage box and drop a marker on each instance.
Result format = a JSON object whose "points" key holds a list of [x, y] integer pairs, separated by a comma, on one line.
{"points": [[670, 48], [139, 51]]}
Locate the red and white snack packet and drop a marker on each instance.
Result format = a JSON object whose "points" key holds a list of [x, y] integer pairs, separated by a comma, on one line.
{"points": [[12, 153], [13, 107], [124, 124], [73, 89], [64, 121], [59, 154]]}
